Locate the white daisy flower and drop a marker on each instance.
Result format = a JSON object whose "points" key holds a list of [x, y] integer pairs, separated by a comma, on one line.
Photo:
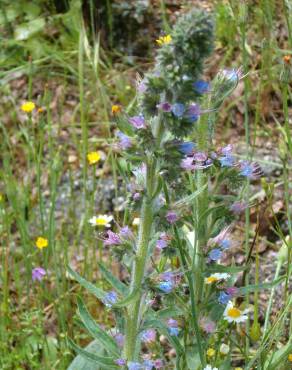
{"points": [[209, 367], [234, 314], [101, 220], [216, 277]]}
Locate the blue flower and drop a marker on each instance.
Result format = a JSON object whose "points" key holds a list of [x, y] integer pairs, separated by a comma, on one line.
{"points": [[178, 109], [148, 364], [187, 147], [134, 366], [215, 254], [173, 331], [166, 286], [125, 142], [250, 170], [224, 298], [227, 161], [225, 244], [193, 112], [110, 298], [201, 86]]}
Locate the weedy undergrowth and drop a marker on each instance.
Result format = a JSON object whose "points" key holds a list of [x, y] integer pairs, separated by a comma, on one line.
{"points": [[188, 194]]}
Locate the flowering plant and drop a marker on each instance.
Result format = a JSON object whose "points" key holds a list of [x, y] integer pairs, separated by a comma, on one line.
{"points": [[176, 284]]}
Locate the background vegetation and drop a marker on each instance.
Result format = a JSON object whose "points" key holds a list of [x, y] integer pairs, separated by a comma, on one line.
{"points": [[75, 59]]}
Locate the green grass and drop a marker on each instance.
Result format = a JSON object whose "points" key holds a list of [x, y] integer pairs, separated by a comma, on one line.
{"points": [[76, 85]]}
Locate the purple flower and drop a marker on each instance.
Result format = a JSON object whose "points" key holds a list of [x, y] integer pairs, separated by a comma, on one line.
{"points": [[136, 196], [188, 164], [125, 142], [178, 109], [120, 339], [227, 150], [238, 207], [161, 244], [38, 273], [171, 217], [138, 121], [166, 286], [125, 232], [201, 86], [120, 362], [251, 170], [215, 254], [158, 364], [110, 298], [165, 107], [193, 112], [112, 239], [207, 325], [221, 239], [232, 291], [187, 147], [224, 298], [148, 336], [173, 327], [200, 156], [142, 86], [227, 161], [134, 366]]}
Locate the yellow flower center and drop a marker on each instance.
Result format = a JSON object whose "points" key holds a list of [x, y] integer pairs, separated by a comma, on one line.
{"points": [[93, 157], [41, 242], [116, 109], [290, 357], [101, 221], [234, 312], [28, 107], [163, 40], [211, 279]]}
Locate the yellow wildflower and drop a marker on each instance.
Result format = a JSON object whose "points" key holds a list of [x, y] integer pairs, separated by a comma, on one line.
{"points": [[290, 357], [93, 157], [41, 242], [28, 107], [287, 59], [116, 109], [238, 368], [210, 352], [101, 220], [163, 40]]}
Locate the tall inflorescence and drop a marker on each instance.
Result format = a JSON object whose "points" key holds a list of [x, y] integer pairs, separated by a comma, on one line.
{"points": [[174, 260]]}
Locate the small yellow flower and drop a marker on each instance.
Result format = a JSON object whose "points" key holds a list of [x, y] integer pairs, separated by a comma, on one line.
{"points": [[290, 357], [210, 352], [233, 314], [93, 157], [101, 220], [28, 107], [1, 197], [136, 221], [163, 40], [287, 59], [216, 277], [116, 109], [224, 349], [238, 368], [40, 110], [41, 242]]}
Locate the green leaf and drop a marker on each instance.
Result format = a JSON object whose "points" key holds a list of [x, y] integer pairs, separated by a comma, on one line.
{"points": [[189, 199], [110, 278], [168, 312], [25, 30], [82, 363], [102, 337], [105, 362], [193, 358], [277, 358], [99, 293], [231, 269], [253, 288], [129, 299]]}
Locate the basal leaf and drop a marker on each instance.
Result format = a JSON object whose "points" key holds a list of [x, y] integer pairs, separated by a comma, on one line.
{"points": [[115, 282], [99, 293], [102, 337]]}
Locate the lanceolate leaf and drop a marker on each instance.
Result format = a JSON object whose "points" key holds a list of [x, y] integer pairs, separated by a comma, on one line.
{"points": [[115, 283], [129, 299], [252, 288], [107, 363], [99, 293], [102, 337], [231, 269], [187, 200]]}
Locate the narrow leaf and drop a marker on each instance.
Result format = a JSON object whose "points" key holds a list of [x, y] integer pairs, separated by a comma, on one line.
{"points": [[187, 200], [102, 337], [111, 279], [253, 288], [106, 362], [129, 299], [99, 293]]}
